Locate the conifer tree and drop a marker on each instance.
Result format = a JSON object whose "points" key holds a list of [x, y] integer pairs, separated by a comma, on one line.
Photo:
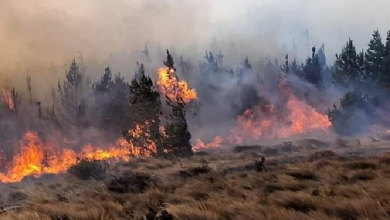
{"points": [[312, 69], [286, 67], [103, 86], [28, 83], [145, 106], [176, 139], [348, 68], [385, 79], [296, 69], [321, 56], [110, 99], [345, 117], [119, 110], [374, 57], [71, 93]]}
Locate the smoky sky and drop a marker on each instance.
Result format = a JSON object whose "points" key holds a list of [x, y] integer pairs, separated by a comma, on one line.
{"points": [[35, 34]]}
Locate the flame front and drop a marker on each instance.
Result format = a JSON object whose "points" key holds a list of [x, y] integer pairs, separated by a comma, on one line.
{"points": [[36, 158], [171, 86], [269, 121]]}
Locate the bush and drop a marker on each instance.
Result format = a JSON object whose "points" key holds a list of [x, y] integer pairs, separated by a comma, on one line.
{"points": [[194, 171], [242, 148], [131, 183], [321, 154], [303, 175], [88, 168], [353, 116], [360, 165]]}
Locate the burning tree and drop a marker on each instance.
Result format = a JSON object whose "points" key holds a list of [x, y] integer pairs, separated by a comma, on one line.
{"points": [[145, 105], [176, 137]]}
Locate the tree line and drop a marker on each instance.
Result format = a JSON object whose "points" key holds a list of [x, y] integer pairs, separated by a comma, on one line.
{"points": [[137, 111]]}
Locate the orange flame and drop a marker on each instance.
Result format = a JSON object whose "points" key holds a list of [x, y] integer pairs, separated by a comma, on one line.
{"points": [[171, 86], [258, 122], [36, 158], [142, 139], [7, 98], [301, 118], [199, 145]]}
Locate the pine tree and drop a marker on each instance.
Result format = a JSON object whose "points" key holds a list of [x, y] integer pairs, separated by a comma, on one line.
{"points": [[286, 67], [28, 83], [176, 139], [347, 118], [103, 86], [385, 79], [110, 99], [72, 98], [312, 69], [296, 69], [118, 112], [348, 68], [169, 62], [374, 57], [145, 106], [321, 56]]}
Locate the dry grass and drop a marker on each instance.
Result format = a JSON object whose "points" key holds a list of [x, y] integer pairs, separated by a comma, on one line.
{"points": [[324, 186]]}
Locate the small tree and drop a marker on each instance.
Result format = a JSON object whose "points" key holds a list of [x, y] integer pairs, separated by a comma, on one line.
{"points": [[286, 68], [351, 116], [385, 78], [312, 69], [176, 138], [145, 105], [72, 100], [103, 86], [296, 69], [28, 83], [110, 99], [321, 56], [349, 66], [374, 56]]}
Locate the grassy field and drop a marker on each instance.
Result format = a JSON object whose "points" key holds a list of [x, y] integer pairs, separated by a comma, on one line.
{"points": [[309, 179]]}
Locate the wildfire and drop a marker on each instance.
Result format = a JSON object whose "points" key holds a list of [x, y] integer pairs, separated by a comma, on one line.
{"points": [[171, 86], [36, 158], [300, 118], [7, 98], [141, 138], [201, 145], [296, 118]]}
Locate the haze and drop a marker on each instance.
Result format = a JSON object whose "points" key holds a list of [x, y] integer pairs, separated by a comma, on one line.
{"points": [[38, 33]]}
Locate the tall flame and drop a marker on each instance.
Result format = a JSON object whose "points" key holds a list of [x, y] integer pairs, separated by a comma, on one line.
{"points": [[171, 86]]}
